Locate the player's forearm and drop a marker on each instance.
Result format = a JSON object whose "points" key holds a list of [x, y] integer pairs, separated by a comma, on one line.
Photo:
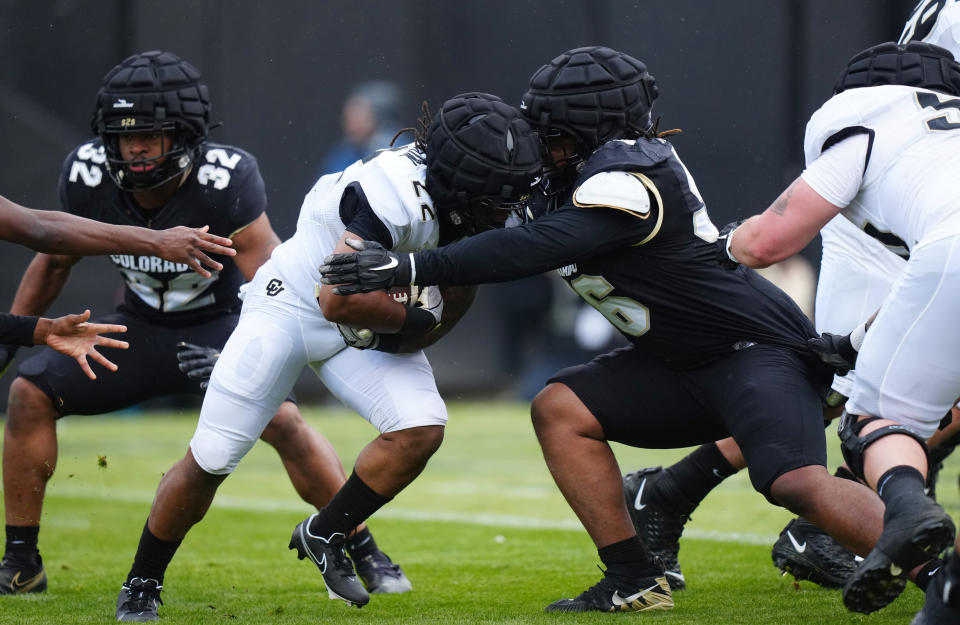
{"points": [[42, 330], [750, 248], [786, 227], [63, 233], [494, 256], [376, 311], [41, 284]]}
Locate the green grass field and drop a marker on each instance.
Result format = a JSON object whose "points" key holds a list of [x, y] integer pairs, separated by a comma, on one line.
{"points": [[483, 534]]}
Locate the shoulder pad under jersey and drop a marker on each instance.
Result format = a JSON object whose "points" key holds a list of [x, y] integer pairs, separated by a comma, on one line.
{"points": [[622, 190]]}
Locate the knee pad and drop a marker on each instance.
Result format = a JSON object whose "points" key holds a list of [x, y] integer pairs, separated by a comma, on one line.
{"points": [[853, 445], [216, 454]]}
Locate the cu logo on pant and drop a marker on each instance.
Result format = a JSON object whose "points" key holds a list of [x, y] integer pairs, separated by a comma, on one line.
{"points": [[274, 287]]}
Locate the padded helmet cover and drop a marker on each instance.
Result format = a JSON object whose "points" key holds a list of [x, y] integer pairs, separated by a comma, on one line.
{"points": [[149, 89], [594, 94], [478, 146], [913, 64], [152, 91]]}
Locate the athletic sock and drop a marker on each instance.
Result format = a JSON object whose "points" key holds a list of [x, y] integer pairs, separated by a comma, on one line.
{"points": [[361, 544], [628, 558], [898, 481], [693, 477], [352, 505], [22, 539], [153, 557]]}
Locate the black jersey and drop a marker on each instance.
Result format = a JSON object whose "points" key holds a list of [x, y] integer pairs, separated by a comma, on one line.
{"points": [[648, 267], [223, 190]]}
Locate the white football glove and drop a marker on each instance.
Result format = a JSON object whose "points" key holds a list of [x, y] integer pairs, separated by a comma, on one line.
{"points": [[430, 300], [360, 338]]}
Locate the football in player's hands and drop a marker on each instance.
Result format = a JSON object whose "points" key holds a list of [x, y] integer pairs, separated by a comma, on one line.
{"points": [[406, 295]]}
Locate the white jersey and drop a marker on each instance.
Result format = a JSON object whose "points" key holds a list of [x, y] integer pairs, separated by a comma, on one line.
{"points": [[909, 193], [393, 183], [936, 22], [282, 329]]}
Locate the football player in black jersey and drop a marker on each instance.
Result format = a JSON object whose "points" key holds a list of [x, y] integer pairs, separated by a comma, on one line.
{"points": [[150, 166], [712, 351]]}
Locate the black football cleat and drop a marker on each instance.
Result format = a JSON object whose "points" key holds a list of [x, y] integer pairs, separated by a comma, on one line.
{"points": [[942, 605], [619, 594], [915, 529], [21, 574], [808, 553], [331, 558], [658, 527], [138, 601], [381, 576]]}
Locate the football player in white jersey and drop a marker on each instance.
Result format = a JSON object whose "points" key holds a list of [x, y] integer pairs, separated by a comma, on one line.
{"points": [[938, 22], [470, 168], [884, 156]]}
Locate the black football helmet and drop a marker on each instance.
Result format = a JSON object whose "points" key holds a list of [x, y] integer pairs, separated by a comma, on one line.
{"points": [[152, 92], [590, 95], [913, 64], [481, 157]]}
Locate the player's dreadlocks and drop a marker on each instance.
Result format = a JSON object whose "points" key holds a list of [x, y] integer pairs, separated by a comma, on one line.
{"points": [[654, 132], [420, 132]]}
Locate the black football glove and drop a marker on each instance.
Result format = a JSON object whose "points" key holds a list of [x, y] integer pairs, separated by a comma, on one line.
{"points": [[7, 352], [835, 350], [723, 256], [370, 268], [197, 361]]}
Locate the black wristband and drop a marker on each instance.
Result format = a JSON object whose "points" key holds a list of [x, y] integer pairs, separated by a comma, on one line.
{"points": [[404, 274], [418, 321], [389, 343]]}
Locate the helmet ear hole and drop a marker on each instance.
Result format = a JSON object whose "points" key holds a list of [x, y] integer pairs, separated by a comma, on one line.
{"points": [[157, 92]]}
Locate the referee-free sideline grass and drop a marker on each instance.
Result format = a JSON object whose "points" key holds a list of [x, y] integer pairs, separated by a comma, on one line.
{"points": [[483, 534]]}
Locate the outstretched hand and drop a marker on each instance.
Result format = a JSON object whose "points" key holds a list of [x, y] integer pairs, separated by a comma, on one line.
{"points": [[190, 246], [73, 336], [370, 268]]}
